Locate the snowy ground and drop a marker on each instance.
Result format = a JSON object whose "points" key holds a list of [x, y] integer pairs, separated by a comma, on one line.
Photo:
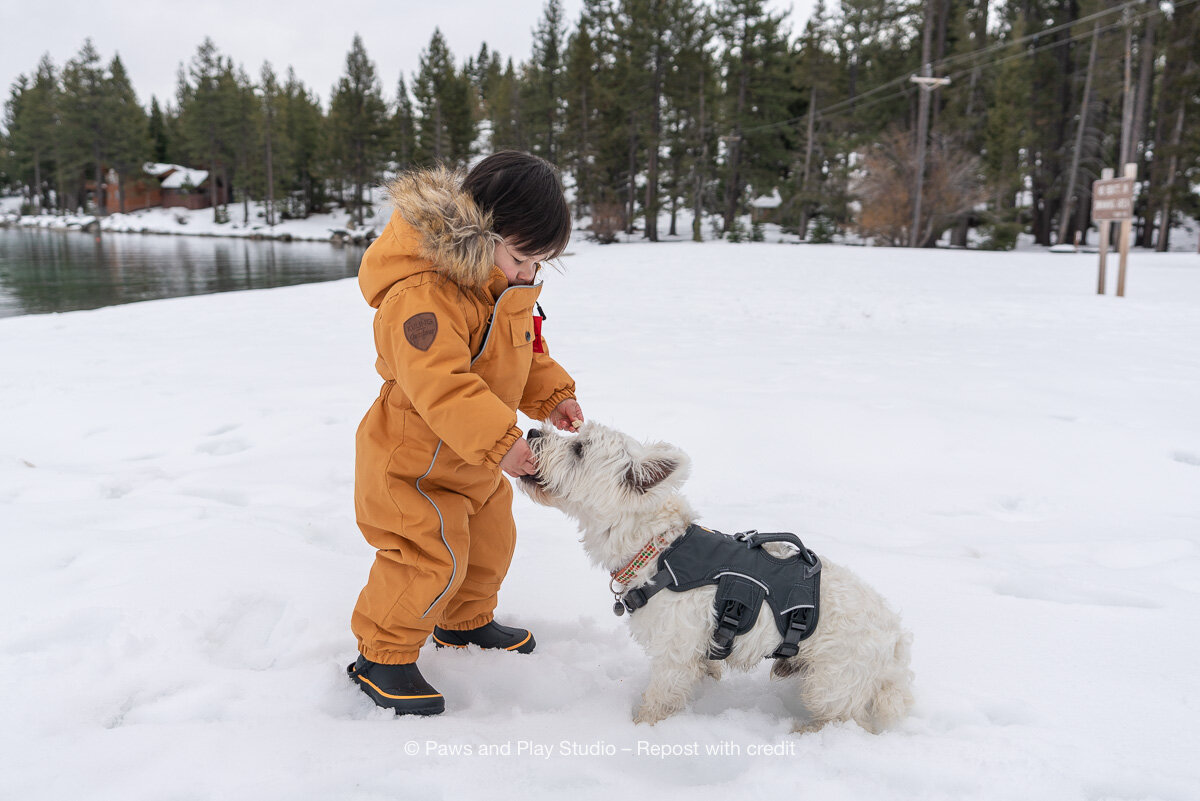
{"points": [[1012, 460]]}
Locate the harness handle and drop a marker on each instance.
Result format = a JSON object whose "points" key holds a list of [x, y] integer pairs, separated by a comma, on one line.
{"points": [[756, 539]]}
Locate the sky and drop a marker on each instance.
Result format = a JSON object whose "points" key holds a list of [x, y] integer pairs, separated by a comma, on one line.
{"points": [[153, 38]]}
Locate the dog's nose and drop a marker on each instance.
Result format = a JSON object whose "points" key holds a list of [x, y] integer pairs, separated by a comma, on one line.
{"points": [[532, 433]]}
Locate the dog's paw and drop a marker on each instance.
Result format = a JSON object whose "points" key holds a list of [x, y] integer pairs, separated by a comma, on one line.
{"points": [[809, 727], [648, 715], [713, 669]]}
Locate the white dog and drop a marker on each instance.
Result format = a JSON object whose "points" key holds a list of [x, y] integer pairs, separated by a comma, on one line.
{"points": [[625, 496]]}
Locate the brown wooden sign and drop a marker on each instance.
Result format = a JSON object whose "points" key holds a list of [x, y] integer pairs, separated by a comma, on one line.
{"points": [[1112, 199]]}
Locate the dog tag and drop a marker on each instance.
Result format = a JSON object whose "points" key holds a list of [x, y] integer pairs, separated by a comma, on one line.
{"points": [[618, 609]]}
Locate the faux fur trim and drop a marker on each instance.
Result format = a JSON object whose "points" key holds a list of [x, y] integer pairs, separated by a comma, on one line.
{"points": [[456, 235]]}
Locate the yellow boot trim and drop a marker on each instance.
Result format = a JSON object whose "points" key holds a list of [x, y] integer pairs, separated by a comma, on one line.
{"points": [[509, 648], [522, 642], [446, 644], [373, 686]]}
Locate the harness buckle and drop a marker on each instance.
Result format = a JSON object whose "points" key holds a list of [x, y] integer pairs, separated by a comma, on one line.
{"points": [[731, 617], [797, 626], [728, 624], [747, 537], [631, 601]]}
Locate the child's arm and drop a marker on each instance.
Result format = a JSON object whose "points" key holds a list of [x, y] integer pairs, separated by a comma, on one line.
{"points": [[423, 336], [548, 385]]}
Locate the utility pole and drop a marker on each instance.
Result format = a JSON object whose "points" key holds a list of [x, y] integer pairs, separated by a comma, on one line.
{"points": [[808, 150], [927, 84], [1127, 145], [1083, 115]]}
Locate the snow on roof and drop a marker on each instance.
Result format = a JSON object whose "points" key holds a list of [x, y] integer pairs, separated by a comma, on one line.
{"points": [[771, 201], [182, 176]]}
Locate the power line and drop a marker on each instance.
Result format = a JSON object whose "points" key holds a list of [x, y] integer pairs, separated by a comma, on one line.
{"points": [[856, 104], [997, 62], [1038, 34]]}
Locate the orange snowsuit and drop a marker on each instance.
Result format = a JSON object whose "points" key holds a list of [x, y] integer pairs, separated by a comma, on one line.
{"points": [[456, 353]]}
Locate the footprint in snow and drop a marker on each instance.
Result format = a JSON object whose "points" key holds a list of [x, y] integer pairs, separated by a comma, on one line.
{"points": [[1184, 457], [223, 447], [1030, 589]]}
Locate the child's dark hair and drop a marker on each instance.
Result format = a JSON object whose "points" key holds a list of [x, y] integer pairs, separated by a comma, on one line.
{"points": [[526, 200]]}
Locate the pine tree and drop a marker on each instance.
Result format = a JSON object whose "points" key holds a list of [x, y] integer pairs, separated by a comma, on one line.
{"points": [[690, 94], [358, 123], [86, 111], [581, 88], [1176, 155], [129, 134], [21, 152], [757, 89], [610, 119], [504, 104], [207, 118], [304, 126], [159, 137], [446, 125], [631, 103], [813, 63], [1006, 132], [486, 75], [544, 83], [273, 142], [238, 90], [403, 128], [31, 119]]}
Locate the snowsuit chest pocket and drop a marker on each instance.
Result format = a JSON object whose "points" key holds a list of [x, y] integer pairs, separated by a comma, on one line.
{"points": [[521, 325]]}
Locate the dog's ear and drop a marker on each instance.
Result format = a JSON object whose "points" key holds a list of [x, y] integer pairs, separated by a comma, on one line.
{"points": [[661, 463]]}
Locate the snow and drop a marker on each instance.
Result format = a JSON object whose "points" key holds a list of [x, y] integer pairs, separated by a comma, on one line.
{"points": [[1012, 460], [184, 177], [771, 201], [180, 176]]}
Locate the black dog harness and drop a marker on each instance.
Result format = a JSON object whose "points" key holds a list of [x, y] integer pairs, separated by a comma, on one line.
{"points": [[745, 574]]}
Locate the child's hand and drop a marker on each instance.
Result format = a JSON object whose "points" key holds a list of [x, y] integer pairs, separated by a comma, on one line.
{"points": [[519, 460], [567, 416]]}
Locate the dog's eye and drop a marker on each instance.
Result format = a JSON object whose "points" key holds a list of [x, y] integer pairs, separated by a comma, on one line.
{"points": [[577, 448]]}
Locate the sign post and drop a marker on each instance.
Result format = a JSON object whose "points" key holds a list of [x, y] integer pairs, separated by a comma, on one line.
{"points": [[1126, 230], [1105, 175], [1112, 201]]}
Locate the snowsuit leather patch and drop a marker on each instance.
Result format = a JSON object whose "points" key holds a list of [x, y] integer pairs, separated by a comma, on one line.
{"points": [[421, 329]]}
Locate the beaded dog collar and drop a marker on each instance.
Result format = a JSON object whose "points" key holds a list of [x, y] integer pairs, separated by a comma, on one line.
{"points": [[643, 558]]}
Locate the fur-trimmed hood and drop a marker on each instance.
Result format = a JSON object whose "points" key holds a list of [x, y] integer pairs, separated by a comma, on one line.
{"points": [[438, 227]]}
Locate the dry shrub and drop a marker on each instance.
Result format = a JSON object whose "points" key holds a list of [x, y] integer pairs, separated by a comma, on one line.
{"points": [[886, 183], [608, 220]]}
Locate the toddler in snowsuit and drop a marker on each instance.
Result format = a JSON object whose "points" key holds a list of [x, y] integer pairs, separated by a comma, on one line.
{"points": [[459, 353]]}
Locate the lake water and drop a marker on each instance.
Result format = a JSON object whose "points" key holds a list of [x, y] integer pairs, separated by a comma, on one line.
{"points": [[52, 271]]}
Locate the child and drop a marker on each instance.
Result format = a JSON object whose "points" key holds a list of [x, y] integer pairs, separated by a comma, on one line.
{"points": [[452, 279]]}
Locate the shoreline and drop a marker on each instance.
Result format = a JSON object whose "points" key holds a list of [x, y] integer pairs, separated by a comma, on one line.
{"points": [[335, 227], [91, 224]]}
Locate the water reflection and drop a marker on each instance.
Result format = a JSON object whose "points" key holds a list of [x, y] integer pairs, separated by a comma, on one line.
{"points": [[48, 271]]}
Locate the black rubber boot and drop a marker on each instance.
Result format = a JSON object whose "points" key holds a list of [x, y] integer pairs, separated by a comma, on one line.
{"points": [[491, 635], [401, 688]]}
